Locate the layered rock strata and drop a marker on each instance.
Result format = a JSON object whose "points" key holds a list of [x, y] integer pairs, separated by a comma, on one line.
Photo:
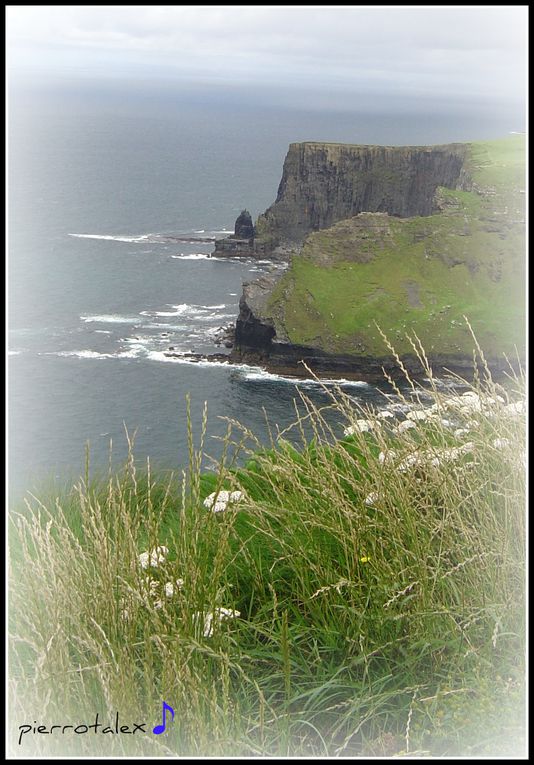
{"points": [[323, 183]]}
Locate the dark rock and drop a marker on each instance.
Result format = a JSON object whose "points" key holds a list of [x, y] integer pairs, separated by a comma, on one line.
{"points": [[252, 332], [241, 243], [244, 228], [233, 248]]}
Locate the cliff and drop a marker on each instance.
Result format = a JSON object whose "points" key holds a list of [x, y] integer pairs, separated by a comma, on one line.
{"points": [[442, 238], [323, 183]]}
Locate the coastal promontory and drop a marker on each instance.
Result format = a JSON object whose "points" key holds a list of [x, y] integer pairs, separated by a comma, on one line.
{"points": [[395, 241]]}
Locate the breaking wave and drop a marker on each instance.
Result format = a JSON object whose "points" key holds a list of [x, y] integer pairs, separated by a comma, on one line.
{"points": [[110, 319], [110, 238]]}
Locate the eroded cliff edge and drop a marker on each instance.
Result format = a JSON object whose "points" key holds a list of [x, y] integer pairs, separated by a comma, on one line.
{"points": [[410, 238], [323, 183]]}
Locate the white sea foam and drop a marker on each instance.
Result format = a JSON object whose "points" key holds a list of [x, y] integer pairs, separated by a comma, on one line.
{"points": [[14, 353], [167, 327], [180, 309], [197, 256], [110, 238], [103, 331], [160, 356], [110, 319], [81, 354], [199, 312], [262, 375], [192, 256], [132, 353]]}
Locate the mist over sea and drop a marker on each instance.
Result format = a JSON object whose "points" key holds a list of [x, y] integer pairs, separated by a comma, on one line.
{"points": [[98, 177]]}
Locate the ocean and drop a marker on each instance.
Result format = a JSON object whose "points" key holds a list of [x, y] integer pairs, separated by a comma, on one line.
{"points": [[99, 178]]}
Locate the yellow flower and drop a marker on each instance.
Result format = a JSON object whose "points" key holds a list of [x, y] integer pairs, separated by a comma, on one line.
{"points": [[365, 559]]}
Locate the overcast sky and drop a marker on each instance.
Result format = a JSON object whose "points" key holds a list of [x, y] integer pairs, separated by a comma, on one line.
{"points": [[467, 52]]}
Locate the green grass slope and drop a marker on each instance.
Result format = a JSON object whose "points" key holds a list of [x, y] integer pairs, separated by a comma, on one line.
{"points": [[418, 274]]}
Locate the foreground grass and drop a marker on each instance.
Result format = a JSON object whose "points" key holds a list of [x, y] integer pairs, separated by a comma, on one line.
{"points": [[379, 581]]}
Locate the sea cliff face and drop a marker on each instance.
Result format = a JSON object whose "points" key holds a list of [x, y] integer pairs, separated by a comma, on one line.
{"points": [[442, 239], [323, 183]]}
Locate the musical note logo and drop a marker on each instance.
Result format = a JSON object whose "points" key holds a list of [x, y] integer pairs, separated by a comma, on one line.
{"points": [[160, 728]]}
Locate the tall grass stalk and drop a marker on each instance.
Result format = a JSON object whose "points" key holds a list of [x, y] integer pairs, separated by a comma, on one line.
{"points": [[379, 580]]}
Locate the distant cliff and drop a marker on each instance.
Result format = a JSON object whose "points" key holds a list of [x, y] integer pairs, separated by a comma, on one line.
{"points": [[410, 238], [323, 183]]}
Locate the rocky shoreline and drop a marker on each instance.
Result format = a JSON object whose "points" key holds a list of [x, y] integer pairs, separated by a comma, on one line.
{"points": [[309, 362]]}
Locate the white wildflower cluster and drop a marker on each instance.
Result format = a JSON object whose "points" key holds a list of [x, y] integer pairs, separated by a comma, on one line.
{"points": [[471, 402], [152, 587], [387, 458], [500, 443], [419, 415], [154, 557], [404, 426], [372, 498], [360, 426], [217, 502], [430, 414], [219, 615], [385, 414], [517, 407], [169, 588], [426, 457], [464, 405]]}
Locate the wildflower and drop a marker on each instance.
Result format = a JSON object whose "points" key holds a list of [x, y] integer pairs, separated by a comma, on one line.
{"points": [[518, 407], [449, 455], [466, 403], [385, 414], [364, 559], [417, 414], [372, 499], [412, 460], [220, 613], [158, 604], [500, 443], [434, 459], [386, 458], [153, 558], [217, 502], [462, 431], [404, 426], [169, 587], [361, 426]]}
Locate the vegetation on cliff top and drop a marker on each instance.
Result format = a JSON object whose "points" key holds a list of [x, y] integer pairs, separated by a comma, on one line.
{"points": [[418, 274], [362, 596]]}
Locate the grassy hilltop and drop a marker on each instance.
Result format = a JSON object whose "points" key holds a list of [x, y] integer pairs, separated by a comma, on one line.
{"points": [[419, 274]]}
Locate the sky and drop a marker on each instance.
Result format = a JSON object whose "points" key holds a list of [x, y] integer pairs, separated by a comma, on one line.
{"points": [[412, 52]]}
